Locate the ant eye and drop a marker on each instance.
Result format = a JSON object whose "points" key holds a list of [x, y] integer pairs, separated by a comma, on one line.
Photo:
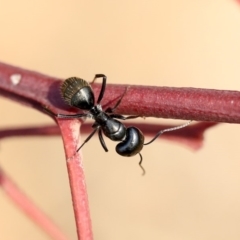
{"points": [[77, 93]]}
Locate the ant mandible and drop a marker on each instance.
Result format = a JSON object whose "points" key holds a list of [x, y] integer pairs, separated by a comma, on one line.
{"points": [[78, 93]]}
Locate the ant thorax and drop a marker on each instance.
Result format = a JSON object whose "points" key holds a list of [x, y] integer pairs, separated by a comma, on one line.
{"points": [[95, 111], [99, 107]]}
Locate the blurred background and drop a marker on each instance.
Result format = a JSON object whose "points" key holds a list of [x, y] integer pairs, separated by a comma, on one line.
{"points": [[185, 194]]}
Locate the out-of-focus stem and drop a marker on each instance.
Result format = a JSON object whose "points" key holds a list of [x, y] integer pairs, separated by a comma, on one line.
{"points": [[191, 137], [29, 208]]}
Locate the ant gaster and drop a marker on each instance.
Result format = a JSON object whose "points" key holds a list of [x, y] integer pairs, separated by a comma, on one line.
{"points": [[78, 93]]}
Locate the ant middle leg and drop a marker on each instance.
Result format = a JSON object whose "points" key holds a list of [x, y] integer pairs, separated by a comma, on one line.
{"points": [[119, 116], [88, 138]]}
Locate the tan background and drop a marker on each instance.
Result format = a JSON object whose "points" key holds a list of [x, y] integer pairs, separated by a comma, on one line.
{"points": [[185, 194]]}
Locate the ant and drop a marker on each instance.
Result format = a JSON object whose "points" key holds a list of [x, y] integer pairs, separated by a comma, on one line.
{"points": [[78, 93]]}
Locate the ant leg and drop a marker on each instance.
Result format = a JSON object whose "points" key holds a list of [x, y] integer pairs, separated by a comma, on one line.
{"points": [[71, 116], [102, 140], [119, 116], [168, 130], [59, 115], [111, 110], [140, 164], [88, 138], [104, 80]]}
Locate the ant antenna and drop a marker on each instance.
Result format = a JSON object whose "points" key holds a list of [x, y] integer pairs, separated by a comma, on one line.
{"points": [[168, 130], [140, 164]]}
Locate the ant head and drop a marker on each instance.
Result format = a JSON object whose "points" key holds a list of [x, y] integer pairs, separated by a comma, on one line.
{"points": [[132, 144], [77, 93]]}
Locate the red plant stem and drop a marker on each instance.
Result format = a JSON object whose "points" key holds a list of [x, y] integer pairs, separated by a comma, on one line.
{"points": [[179, 103], [70, 134], [28, 207], [38, 90]]}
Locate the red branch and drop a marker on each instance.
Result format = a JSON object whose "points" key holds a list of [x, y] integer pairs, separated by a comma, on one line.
{"points": [[166, 102], [37, 90]]}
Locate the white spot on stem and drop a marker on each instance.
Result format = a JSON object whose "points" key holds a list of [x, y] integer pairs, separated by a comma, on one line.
{"points": [[15, 78]]}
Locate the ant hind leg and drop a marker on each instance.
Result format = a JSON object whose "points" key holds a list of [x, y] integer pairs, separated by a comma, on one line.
{"points": [[111, 110], [59, 115], [104, 81], [119, 116]]}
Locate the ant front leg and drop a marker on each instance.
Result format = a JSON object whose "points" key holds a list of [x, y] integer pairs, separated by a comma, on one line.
{"points": [[104, 81], [101, 139]]}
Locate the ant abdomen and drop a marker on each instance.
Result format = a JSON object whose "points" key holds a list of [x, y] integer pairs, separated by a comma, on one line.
{"points": [[78, 93], [132, 144]]}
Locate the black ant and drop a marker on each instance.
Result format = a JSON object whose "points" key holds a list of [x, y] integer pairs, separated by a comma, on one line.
{"points": [[78, 93]]}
